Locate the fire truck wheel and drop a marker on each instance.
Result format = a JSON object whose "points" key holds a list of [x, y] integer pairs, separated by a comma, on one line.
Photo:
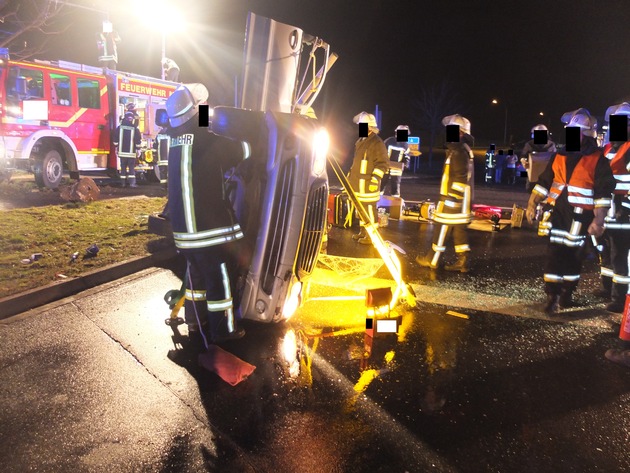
{"points": [[49, 169]]}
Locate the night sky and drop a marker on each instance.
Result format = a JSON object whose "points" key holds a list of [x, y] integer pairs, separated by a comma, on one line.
{"points": [[550, 56]]}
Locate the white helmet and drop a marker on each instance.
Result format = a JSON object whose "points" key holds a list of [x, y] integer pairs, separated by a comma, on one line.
{"points": [[540, 126], [183, 104], [402, 127], [457, 119], [619, 109], [581, 118], [365, 117]]}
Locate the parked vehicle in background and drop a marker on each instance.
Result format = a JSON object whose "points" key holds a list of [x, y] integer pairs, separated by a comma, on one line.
{"points": [[58, 116]]}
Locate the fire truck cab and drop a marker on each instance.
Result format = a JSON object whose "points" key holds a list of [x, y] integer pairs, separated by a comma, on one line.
{"points": [[58, 115]]}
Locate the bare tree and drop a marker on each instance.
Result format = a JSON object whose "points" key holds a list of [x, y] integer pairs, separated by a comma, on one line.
{"points": [[25, 24], [434, 102]]}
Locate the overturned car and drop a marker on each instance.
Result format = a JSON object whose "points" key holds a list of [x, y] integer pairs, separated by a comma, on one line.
{"points": [[279, 192]]}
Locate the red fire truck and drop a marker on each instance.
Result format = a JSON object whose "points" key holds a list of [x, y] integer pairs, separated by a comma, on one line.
{"points": [[58, 115]]}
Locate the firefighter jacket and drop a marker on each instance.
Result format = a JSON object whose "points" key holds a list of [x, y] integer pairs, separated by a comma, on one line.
{"points": [[618, 156], [127, 138], [574, 183], [160, 145], [398, 157], [369, 165], [200, 216], [455, 190]]}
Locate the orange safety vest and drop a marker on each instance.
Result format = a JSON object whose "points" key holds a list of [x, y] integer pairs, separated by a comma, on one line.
{"points": [[619, 169], [582, 182]]}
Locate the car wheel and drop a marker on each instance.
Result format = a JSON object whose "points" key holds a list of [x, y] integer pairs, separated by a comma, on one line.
{"points": [[49, 169]]}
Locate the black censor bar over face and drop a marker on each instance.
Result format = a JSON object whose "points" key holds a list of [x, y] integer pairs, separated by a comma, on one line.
{"points": [[363, 130], [204, 115], [540, 137], [402, 136], [619, 128], [452, 133], [573, 138]]}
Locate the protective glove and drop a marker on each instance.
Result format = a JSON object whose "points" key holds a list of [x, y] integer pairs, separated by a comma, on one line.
{"points": [[596, 228], [374, 184], [530, 213]]}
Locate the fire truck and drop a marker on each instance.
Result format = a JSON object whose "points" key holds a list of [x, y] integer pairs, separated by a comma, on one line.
{"points": [[58, 115]]}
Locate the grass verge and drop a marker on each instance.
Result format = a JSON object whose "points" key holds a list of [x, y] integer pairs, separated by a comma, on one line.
{"points": [[118, 227]]}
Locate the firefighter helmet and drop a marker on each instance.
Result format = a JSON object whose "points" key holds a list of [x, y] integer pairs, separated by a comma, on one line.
{"points": [[365, 117], [540, 126], [130, 107], [183, 104], [619, 109], [581, 118], [129, 117], [402, 127], [457, 119]]}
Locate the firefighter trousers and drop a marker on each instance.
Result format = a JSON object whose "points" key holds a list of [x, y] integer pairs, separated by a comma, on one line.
{"points": [[128, 170], [208, 290], [619, 252], [394, 184], [563, 268]]}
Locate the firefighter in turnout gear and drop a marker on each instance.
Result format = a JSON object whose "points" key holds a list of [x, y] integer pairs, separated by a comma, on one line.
{"points": [[398, 152], [617, 223], [575, 188], [127, 139], [204, 227], [369, 165], [453, 211], [535, 156]]}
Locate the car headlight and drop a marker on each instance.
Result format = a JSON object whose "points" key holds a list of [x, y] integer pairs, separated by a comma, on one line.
{"points": [[321, 142]]}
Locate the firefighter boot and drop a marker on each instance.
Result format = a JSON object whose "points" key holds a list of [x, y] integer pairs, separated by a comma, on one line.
{"points": [[553, 303], [618, 298], [462, 264], [566, 299], [362, 234], [223, 327], [426, 261]]}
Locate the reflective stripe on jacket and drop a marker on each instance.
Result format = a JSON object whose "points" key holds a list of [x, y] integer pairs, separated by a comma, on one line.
{"points": [[580, 186], [619, 167]]}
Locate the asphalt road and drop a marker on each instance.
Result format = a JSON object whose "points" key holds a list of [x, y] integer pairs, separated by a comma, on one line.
{"points": [[95, 383]]}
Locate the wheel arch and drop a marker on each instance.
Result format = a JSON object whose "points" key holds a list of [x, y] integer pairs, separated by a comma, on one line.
{"points": [[45, 139]]}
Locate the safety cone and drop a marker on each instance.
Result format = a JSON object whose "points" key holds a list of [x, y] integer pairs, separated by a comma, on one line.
{"points": [[624, 330]]}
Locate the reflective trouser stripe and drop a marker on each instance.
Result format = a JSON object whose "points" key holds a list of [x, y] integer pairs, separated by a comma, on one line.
{"points": [[621, 279], [462, 248], [439, 247], [192, 295], [555, 278], [225, 305], [607, 272]]}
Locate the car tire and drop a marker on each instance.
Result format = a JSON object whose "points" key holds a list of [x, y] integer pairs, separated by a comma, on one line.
{"points": [[49, 169]]}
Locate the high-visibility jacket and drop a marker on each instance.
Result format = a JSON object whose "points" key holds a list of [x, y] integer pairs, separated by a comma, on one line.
{"points": [[619, 167], [200, 216], [398, 158], [618, 217], [581, 187], [369, 165]]}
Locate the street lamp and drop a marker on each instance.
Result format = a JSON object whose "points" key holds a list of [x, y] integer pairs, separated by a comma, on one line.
{"points": [[496, 102], [162, 15]]}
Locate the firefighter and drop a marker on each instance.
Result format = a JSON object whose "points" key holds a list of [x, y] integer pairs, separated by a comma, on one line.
{"points": [[127, 140], [160, 148], [398, 152], [533, 153], [204, 227], [576, 188], [453, 211], [369, 165], [170, 69], [614, 267]]}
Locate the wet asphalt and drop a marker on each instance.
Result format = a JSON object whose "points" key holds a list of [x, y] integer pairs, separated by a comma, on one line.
{"points": [[477, 378]]}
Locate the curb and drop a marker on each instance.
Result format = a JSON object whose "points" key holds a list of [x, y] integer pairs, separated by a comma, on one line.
{"points": [[18, 303]]}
